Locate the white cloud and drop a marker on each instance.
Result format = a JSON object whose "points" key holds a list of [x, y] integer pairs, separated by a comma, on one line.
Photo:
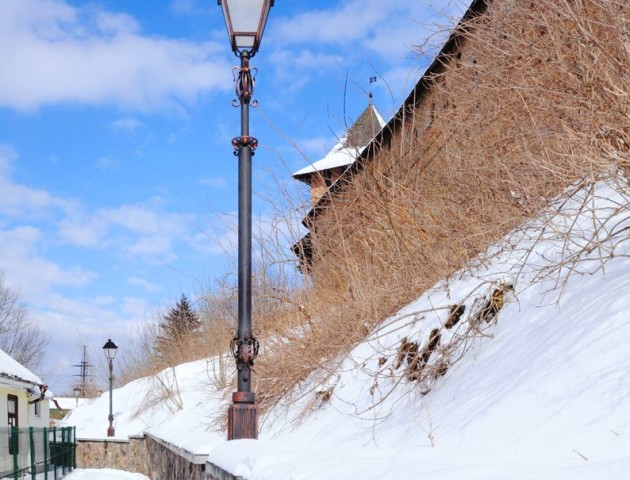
{"points": [[31, 273], [360, 29], [107, 164], [287, 63], [7, 157], [144, 284], [135, 307], [348, 22], [146, 218], [213, 182], [19, 201], [145, 230], [400, 81], [55, 53], [154, 248], [276, 232], [317, 145], [84, 230], [116, 23], [187, 7], [127, 125], [33, 219]]}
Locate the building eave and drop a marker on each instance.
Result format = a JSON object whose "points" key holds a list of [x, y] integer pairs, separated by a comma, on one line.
{"points": [[16, 382]]}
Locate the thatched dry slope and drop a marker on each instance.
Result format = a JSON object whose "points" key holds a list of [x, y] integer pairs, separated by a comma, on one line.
{"points": [[535, 98]]}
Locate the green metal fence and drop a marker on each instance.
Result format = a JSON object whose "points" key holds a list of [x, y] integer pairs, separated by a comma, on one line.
{"points": [[37, 453]]}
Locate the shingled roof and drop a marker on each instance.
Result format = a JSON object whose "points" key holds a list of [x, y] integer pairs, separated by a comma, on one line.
{"points": [[364, 129], [358, 136]]}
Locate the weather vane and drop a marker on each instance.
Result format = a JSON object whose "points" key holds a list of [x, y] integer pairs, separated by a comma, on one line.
{"points": [[372, 80]]}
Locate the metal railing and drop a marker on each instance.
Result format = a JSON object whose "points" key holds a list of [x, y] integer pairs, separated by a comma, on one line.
{"points": [[37, 453]]}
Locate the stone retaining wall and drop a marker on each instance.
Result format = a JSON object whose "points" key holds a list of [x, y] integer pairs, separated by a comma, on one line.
{"points": [[153, 457], [169, 462], [215, 473], [130, 455]]}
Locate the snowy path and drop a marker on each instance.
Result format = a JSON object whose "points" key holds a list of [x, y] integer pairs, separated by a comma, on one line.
{"points": [[104, 474]]}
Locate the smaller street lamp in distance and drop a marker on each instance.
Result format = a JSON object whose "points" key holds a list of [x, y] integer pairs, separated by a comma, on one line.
{"points": [[110, 349], [77, 395]]}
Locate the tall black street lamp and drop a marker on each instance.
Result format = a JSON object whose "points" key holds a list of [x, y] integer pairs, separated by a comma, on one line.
{"points": [[110, 349], [245, 20]]}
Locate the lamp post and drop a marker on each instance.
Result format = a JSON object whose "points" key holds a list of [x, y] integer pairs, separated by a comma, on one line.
{"points": [[77, 394], [245, 21], [110, 349]]}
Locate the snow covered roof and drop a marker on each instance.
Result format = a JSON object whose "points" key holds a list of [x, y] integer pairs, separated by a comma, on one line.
{"points": [[10, 368], [68, 403], [369, 123]]}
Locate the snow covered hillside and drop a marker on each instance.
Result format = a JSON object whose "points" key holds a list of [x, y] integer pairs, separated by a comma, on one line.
{"points": [[177, 406], [491, 374]]}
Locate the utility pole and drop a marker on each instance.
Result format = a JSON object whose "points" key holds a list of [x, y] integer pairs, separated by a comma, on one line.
{"points": [[84, 375]]}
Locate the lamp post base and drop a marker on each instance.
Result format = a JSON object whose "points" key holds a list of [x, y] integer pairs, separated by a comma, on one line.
{"points": [[110, 429], [243, 416]]}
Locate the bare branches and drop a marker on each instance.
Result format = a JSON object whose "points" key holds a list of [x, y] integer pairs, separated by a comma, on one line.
{"points": [[20, 336], [535, 101]]}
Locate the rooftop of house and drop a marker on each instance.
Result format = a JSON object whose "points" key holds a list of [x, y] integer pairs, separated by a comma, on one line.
{"points": [[68, 403], [358, 136], [12, 369]]}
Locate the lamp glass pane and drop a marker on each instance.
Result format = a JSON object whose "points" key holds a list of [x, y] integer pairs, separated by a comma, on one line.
{"points": [[245, 15], [244, 41]]}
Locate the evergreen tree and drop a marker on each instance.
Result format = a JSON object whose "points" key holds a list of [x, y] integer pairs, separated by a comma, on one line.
{"points": [[178, 327]]}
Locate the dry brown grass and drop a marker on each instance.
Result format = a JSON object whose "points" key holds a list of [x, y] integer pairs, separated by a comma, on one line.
{"points": [[537, 99]]}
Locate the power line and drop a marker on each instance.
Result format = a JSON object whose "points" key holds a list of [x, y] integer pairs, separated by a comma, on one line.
{"points": [[84, 374]]}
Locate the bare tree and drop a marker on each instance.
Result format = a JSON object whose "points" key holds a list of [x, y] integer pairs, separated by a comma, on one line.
{"points": [[20, 336]]}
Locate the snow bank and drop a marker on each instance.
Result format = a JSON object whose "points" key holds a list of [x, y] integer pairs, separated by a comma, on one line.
{"points": [[103, 474], [177, 406], [539, 391], [69, 403]]}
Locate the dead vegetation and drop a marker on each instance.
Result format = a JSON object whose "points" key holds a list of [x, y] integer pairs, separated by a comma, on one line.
{"points": [[433, 352], [535, 99]]}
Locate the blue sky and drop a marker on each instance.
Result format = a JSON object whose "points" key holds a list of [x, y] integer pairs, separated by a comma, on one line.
{"points": [[116, 167]]}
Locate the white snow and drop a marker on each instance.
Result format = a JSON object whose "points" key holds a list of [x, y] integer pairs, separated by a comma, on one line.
{"points": [[103, 474], [176, 406], [68, 403], [541, 392], [339, 155], [12, 369]]}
